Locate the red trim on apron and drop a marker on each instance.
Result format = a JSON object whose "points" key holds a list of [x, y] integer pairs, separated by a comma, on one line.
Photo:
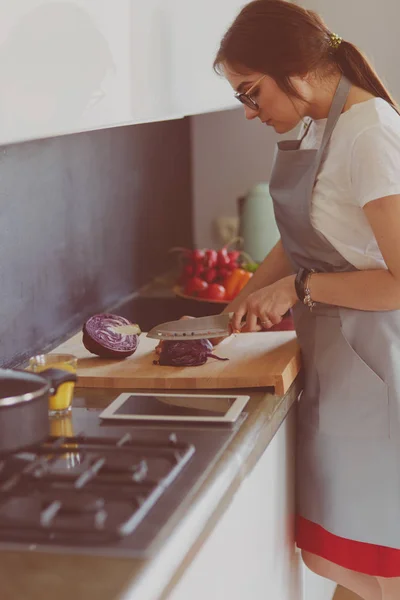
{"points": [[379, 561]]}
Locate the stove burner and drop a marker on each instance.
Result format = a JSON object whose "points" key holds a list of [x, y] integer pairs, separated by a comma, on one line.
{"points": [[104, 492], [73, 502]]}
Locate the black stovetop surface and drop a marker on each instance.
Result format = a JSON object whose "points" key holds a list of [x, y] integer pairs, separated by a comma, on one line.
{"points": [[101, 488]]}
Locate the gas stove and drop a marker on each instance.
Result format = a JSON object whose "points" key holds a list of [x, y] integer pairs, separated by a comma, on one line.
{"points": [[105, 490]]}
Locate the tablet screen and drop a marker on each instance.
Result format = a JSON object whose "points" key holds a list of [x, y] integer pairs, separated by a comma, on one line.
{"points": [[152, 405]]}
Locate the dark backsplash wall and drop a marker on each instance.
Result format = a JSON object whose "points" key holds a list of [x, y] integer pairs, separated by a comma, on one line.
{"points": [[85, 220]]}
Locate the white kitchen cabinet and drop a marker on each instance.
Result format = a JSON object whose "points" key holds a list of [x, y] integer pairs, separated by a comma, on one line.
{"points": [[199, 27], [250, 553], [77, 65]]}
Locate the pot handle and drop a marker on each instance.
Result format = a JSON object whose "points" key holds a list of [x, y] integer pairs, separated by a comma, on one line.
{"points": [[56, 377]]}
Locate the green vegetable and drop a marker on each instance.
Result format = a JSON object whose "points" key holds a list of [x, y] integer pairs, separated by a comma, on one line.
{"points": [[251, 267]]}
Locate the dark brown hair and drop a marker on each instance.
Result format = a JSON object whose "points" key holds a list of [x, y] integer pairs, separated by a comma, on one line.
{"points": [[282, 39]]}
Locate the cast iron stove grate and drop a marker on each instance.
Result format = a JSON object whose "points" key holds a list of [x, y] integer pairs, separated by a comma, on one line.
{"points": [[85, 489]]}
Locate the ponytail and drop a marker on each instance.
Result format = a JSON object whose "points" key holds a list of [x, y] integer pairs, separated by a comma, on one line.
{"points": [[355, 66]]}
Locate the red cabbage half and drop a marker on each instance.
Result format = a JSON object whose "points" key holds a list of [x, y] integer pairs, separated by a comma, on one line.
{"points": [[186, 353], [100, 338]]}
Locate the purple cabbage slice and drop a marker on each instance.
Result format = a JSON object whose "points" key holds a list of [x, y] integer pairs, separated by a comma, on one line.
{"points": [[186, 353], [100, 338]]}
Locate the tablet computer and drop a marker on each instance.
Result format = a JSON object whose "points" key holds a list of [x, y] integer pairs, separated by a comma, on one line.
{"points": [[149, 406]]}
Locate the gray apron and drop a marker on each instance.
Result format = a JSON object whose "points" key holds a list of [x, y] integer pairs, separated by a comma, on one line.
{"points": [[348, 455]]}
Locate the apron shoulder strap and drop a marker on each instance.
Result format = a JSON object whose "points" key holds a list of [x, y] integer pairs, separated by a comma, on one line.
{"points": [[338, 102]]}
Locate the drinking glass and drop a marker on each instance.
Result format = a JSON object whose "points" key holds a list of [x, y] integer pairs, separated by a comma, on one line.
{"points": [[59, 403]]}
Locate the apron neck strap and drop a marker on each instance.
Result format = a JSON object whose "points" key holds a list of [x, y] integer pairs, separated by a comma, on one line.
{"points": [[338, 102]]}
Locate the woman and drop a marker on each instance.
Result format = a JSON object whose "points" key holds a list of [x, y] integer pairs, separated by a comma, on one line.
{"points": [[336, 193]]}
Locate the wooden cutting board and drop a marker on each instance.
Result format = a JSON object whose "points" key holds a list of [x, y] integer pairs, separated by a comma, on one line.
{"points": [[264, 359]]}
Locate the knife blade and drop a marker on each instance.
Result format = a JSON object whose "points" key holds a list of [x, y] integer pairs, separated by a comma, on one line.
{"points": [[213, 326], [126, 329]]}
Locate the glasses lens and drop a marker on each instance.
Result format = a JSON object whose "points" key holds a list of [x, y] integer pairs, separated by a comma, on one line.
{"points": [[247, 101]]}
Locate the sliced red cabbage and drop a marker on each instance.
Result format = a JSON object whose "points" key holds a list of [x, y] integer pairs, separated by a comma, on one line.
{"points": [[100, 338], [186, 353]]}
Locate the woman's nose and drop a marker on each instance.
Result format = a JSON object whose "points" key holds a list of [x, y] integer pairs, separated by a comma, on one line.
{"points": [[250, 113]]}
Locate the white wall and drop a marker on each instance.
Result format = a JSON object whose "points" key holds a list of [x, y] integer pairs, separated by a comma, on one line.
{"points": [[371, 25], [231, 154]]}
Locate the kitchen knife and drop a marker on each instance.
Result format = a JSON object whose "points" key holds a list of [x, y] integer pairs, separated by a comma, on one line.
{"points": [[198, 328], [185, 329]]}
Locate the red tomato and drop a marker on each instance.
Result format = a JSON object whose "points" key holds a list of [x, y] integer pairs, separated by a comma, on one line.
{"points": [[233, 256], [188, 271], [223, 259], [210, 259], [210, 275], [198, 256], [195, 285], [198, 269], [214, 291], [223, 273]]}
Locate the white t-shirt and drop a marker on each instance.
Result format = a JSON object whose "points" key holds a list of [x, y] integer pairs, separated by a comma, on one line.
{"points": [[362, 163]]}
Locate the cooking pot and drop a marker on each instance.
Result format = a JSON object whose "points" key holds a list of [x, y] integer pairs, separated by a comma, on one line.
{"points": [[24, 406]]}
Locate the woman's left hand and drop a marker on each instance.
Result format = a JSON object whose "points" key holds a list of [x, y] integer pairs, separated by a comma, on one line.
{"points": [[266, 306]]}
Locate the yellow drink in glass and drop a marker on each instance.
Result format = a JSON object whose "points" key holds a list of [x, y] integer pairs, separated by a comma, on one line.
{"points": [[60, 402], [61, 426]]}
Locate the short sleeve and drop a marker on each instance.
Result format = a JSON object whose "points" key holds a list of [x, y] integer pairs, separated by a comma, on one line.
{"points": [[375, 163]]}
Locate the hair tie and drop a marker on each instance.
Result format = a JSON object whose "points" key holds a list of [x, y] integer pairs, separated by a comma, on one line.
{"points": [[335, 40]]}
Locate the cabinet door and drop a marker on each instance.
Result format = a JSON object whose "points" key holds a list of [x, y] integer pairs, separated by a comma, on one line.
{"points": [[251, 553], [76, 65], [198, 30]]}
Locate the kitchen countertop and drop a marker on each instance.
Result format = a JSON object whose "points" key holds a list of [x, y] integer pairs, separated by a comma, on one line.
{"points": [[38, 576]]}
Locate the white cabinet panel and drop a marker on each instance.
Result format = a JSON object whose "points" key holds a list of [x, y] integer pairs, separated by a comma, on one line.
{"points": [[199, 27], [76, 65], [251, 553]]}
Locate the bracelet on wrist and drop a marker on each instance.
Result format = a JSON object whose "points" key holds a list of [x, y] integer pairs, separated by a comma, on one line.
{"points": [[302, 286], [299, 283], [308, 301]]}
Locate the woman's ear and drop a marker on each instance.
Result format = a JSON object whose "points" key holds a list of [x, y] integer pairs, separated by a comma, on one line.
{"points": [[302, 84]]}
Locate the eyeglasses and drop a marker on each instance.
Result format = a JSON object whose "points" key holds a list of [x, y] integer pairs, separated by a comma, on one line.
{"points": [[245, 97]]}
